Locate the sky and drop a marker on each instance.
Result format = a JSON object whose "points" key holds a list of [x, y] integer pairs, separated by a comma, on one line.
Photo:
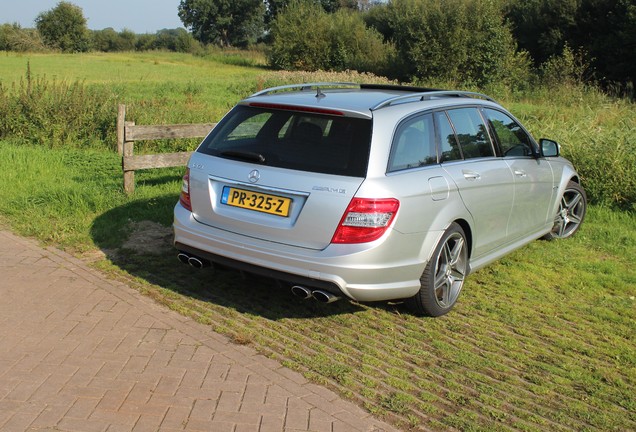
{"points": [[140, 16]]}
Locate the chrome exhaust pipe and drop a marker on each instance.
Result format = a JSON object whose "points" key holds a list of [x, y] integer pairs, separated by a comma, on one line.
{"points": [[301, 292], [324, 296], [198, 263], [183, 257]]}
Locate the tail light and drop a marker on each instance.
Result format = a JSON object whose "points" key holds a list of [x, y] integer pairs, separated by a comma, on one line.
{"points": [[184, 199], [365, 220]]}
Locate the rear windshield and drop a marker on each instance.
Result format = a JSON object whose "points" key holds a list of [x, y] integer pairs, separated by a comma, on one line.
{"points": [[292, 139]]}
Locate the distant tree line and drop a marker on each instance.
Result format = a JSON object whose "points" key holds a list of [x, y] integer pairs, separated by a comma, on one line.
{"points": [[480, 42], [470, 41], [64, 28]]}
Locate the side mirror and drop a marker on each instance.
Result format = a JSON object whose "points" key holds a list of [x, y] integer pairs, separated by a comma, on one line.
{"points": [[549, 148]]}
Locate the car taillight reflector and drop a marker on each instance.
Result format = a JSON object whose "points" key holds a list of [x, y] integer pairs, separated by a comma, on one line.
{"points": [[184, 198], [365, 220]]}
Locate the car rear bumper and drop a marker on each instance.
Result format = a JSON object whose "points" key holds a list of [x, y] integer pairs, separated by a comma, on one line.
{"points": [[373, 271]]}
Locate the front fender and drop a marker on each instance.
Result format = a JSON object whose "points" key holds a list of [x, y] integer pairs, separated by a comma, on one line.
{"points": [[564, 172]]}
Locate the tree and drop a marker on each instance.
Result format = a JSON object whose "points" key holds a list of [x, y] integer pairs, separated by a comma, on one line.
{"points": [[64, 27], [606, 30], [108, 40], [223, 22], [273, 7], [463, 41], [542, 27], [178, 40], [601, 32]]}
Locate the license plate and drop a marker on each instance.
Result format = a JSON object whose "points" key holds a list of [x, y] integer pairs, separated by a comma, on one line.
{"points": [[264, 203]]}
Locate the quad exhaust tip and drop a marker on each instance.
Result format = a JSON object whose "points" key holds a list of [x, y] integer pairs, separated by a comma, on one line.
{"points": [[319, 295], [299, 291], [194, 261]]}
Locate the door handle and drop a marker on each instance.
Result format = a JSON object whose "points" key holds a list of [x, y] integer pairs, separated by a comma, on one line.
{"points": [[520, 173], [471, 175]]}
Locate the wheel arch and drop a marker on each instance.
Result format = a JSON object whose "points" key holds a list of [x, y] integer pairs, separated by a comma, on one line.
{"points": [[469, 234]]}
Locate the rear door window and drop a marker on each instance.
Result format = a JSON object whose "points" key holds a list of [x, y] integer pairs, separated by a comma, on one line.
{"points": [[297, 140], [471, 132]]}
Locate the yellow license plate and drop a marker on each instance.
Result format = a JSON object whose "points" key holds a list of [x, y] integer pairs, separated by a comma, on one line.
{"points": [[256, 201]]}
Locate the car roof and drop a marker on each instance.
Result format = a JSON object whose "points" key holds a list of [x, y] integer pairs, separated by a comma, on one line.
{"points": [[358, 100]]}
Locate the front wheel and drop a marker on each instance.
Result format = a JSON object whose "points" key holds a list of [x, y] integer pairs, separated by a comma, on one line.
{"points": [[443, 277], [571, 213]]}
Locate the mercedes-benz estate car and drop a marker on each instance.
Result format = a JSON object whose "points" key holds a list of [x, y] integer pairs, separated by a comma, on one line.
{"points": [[371, 192]]}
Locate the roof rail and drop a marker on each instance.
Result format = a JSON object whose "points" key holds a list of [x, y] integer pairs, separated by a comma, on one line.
{"points": [[306, 86], [398, 87], [430, 94]]}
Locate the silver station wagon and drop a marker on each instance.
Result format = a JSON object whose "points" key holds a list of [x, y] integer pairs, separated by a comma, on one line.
{"points": [[371, 192]]}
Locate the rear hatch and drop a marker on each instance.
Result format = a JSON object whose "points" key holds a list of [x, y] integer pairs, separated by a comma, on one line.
{"points": [[279, 173]]}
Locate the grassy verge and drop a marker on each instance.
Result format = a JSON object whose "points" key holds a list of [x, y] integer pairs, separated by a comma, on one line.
{"points": [[541, 340]]}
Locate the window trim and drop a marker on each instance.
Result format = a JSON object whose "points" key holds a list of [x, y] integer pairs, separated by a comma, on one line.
{"points": [[438, 137]]}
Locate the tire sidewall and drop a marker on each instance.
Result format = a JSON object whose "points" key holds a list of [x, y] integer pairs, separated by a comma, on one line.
{"points": [[425, 301], [579, 189]]}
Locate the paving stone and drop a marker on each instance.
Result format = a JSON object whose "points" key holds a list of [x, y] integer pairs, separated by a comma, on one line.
{"points": [[80, 352]]}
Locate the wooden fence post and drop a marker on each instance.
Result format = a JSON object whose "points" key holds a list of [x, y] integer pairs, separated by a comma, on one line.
{"points": [[121, 120], [129, 175]]}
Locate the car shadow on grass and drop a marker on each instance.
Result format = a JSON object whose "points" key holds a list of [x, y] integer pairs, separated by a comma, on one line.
{"points": [[137, 238]]}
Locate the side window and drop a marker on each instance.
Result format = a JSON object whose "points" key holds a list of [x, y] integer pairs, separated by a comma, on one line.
{"points": [[249, 128], [413, 144], [513, 140], [471, 133], [449, 147]]}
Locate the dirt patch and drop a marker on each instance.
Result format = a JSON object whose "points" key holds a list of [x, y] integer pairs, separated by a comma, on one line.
{"points": [[149, 238]]}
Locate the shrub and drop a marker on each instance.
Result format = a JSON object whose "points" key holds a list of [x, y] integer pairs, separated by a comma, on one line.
{"points": [[15, 38], [146, 42], [570, 68], [177, 40], [108, 40], [337, 41], [462, 41], [56, 113]]}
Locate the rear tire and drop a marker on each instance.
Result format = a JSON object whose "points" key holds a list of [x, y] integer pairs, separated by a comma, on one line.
{"points": [[443, 277], [571, 213]]}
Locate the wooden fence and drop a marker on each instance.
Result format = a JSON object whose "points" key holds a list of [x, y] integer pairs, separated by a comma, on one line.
{"points": [[128, 133]]}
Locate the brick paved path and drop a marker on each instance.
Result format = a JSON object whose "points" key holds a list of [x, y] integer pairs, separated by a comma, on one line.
{"points": [[79, 352]]}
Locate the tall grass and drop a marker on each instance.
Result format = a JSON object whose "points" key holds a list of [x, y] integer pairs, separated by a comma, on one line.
{"points": [[56, 113], [56, 195], [596, 132]]}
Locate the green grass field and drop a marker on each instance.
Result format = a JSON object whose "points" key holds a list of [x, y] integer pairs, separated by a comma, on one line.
{"points": [[542, 340]]}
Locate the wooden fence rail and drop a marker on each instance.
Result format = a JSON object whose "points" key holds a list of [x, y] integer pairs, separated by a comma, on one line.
{"points": [[128, 133]]}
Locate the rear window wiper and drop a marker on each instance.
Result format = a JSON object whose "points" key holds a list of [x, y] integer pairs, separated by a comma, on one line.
{"points": [[244, 155]]}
